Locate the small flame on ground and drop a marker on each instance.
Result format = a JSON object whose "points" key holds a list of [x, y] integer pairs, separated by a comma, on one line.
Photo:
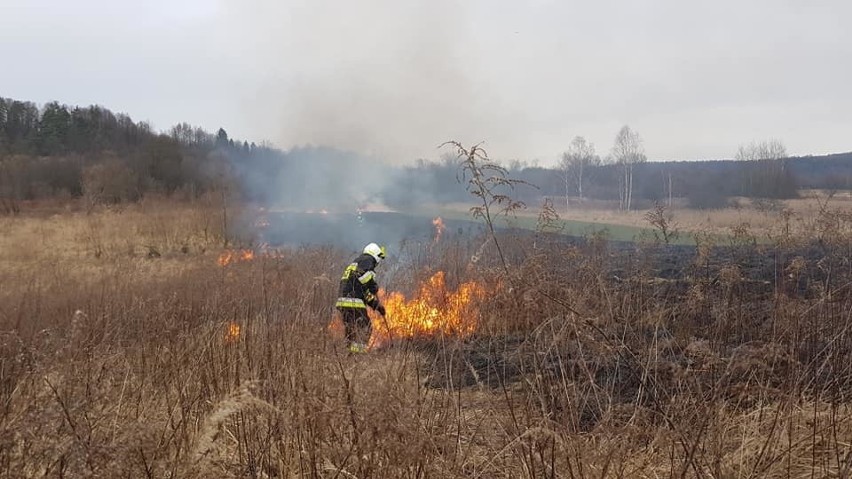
{"points": [[433, 311], [322, 211], [336, 327], [232, 334], [439, 228], [232, 256]]}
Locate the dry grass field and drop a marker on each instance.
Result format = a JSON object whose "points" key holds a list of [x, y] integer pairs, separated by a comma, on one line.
{"points": [[127, 350], [763, 219]]}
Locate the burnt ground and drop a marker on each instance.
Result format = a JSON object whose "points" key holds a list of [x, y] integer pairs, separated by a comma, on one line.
{"points": [[652, 276], [764, 266], [750, 285], [799, 271]]}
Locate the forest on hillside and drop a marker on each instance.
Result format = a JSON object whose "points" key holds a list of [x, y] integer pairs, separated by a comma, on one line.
{"points": [[60, 151]]}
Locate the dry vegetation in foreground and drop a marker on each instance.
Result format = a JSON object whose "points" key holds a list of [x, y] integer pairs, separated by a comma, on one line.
{"points": [[117, 359]]}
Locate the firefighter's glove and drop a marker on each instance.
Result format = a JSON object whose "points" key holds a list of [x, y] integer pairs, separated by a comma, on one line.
{"points": [[381, 309]]}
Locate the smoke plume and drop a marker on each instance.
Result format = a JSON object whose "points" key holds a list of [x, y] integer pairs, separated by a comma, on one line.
{"points": [[384, 79]]}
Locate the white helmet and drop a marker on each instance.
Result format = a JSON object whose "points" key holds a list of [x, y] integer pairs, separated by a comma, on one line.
{"points": [[376, 251]]}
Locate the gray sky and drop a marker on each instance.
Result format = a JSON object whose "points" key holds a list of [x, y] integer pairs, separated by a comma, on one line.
{"points": [[396, 78]]}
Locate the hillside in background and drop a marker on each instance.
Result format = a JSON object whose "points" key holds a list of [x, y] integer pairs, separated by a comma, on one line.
{"points": [[60, 151], [705, 184]]}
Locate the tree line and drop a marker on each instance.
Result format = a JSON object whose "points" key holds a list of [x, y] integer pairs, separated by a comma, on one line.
{"points": [[760, 170], [63, 151], [90, 152]]}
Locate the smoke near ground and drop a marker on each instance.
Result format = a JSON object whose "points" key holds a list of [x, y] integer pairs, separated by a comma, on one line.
{"points": [[314, 178], [321, 195]]}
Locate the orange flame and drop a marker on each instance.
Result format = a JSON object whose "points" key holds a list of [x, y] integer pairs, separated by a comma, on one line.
{"points": [[232, 334], [433, 311], [336, 327], [439, 228], [232, 256]]}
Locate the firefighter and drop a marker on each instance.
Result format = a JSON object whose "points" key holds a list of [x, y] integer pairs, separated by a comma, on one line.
{"points": [[358, 290]]}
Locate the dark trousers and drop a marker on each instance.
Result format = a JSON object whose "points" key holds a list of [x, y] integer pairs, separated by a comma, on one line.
{"points": [[357, 324]]}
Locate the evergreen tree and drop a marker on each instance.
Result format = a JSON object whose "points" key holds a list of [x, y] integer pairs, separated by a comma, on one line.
{"points": [[54, 127], [4, 140], [221, 138]]}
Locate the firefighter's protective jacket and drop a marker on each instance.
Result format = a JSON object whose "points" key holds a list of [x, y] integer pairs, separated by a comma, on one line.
{"points": [[358, 287]]}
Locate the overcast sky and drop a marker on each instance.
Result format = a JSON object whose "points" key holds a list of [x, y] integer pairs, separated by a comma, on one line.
{"points": [[396, 78]]}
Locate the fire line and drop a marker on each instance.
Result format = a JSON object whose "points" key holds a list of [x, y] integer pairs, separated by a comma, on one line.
{"points": [[433, 311]]}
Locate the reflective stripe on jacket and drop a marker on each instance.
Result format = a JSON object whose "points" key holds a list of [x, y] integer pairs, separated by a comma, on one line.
{"points": [[350, 303]]}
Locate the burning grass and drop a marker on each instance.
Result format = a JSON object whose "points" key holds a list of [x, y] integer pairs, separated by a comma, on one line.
{"points": [[433, 311], [233, 256], [439, 225], [126, 364]]}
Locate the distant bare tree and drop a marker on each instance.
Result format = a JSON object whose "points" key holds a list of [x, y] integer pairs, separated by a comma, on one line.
{"points": [[768, 176], [762, 150], [627, 152], [575, 163], [201, 137], [183, 133]]}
